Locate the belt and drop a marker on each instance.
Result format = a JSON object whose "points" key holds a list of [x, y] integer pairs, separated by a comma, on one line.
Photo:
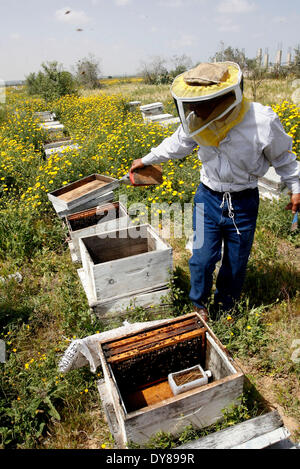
{"points": [[234, 195]]}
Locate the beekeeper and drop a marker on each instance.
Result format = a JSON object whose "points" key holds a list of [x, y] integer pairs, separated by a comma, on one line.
{"points": [[238, 140]]}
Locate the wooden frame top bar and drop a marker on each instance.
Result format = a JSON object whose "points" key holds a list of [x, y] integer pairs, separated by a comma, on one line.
{"points": [[152, 335], [157, 337], [167, 323], [141, 350]]}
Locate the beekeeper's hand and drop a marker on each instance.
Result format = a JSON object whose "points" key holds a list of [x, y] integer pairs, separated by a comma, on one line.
{"points": [[294, 204], [136, 164]]}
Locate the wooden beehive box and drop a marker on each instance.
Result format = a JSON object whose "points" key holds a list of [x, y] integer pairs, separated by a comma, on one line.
{"points": [[135, 393], [78, 194], [52, 127], [119, 304], [45, 116], [105, 217], [124, 261], [58, 143], [47, 124], [152, 109], [60, 150], [102, 199]]}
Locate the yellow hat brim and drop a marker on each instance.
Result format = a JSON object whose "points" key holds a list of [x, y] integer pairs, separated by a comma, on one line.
{"points": [[182, 90]]}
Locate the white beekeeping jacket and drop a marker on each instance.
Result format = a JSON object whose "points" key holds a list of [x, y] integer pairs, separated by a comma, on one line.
{"points": [[242, 157]]}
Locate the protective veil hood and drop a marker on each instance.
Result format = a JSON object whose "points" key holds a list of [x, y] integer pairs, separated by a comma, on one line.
{"points": [[207, 93]]}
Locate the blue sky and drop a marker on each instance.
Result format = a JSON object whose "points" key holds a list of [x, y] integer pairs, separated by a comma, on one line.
{"points": [[123, 33]]}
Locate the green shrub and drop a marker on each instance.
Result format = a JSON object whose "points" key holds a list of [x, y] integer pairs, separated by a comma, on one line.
{"points": [[51, 83], [23, 234], [2, 114]]}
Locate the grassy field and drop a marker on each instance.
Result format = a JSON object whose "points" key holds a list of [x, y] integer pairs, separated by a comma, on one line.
{"points": [[269, 91], [39, 407]]}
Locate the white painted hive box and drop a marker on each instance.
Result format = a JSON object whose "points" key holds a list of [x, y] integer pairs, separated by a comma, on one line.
{"points": [[45, 116], [270, 185], [105, 217], [122, 261], [151, 109], [135, 392], [119, 305], [160, 117], [52, 127], [82, 191], [50, 123], [60, 149], [272, 179], [58, 143], [133, 105], [100, 200]]}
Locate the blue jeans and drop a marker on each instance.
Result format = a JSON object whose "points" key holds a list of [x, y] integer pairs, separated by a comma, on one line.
{"points": [[212, 225]]}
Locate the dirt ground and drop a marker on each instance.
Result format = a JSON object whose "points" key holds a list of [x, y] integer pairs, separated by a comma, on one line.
{"points": [[266, 386]]}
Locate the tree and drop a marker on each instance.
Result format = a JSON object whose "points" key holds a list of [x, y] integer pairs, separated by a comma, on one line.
{"points": [[155, 72], [180, 63], [31, 82], [251, 69], [255, 75], [88, 72], [296, 65], [51, 82], [230, 55]]}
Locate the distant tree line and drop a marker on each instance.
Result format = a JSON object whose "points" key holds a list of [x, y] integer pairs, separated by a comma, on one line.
{"points": [[157, 72], [52, 81]]}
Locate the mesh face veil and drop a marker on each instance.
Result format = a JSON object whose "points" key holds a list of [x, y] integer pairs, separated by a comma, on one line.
{"points": [[206, 94]]}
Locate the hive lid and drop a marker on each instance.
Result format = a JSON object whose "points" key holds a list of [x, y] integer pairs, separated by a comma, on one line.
{"points": [[147, 107]]}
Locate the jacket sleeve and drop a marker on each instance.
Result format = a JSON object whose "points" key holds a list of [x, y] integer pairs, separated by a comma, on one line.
{"points": [[175, 147], [279, 153]]}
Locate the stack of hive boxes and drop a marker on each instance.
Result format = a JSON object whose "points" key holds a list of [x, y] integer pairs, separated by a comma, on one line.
{"points": [[154, 113], [270, 185], [48, 121], [122, 265], [52, 126]]}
